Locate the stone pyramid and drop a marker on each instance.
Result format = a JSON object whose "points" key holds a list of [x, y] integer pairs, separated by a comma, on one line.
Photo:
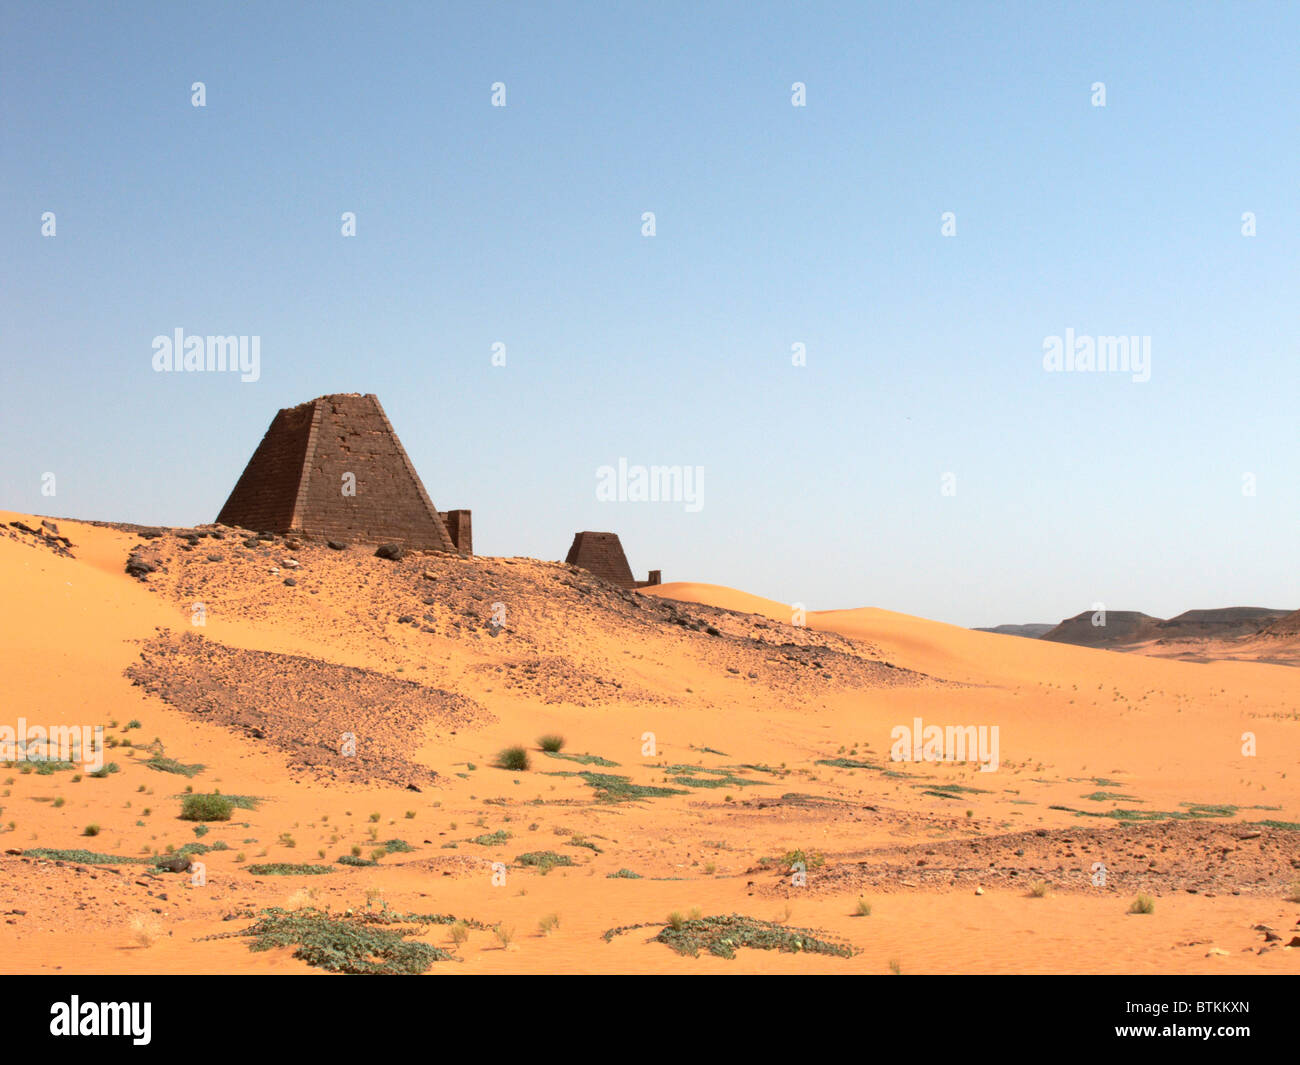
{"points": [[602, 554], [333, 468]]}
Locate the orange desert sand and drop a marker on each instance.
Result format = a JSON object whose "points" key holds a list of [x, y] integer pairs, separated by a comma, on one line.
{"points": [[403, 655]]}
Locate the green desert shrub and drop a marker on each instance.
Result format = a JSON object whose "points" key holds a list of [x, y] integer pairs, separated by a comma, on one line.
{"points": [[206, 808], [514, 758], [1143, 904], [170, 765], [347, 943], [544, 860]]}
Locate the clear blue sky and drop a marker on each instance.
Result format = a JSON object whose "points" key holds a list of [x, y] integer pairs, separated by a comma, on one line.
{"points": [[776, 225]]}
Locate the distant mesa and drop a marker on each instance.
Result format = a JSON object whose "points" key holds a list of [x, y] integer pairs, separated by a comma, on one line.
{"points": [[1222, 624], [1287, 626], [1031, 631], [602, 554], [1121, 627], [333, 468], [1125, 629]]}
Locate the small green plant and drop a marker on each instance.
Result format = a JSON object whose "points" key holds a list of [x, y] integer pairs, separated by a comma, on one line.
{"points": [[545, 861], [1143, 904], [808, 859], [1040, 890], [169, 765], [492, 839], [213, 807], [90, 830], [863, 909], [551, 743], [505, 935], [723, 935], [514, 758], [362, 943], [548, 924]]}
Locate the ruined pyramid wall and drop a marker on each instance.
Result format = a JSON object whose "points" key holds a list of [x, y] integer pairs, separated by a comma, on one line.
{"points": [[602, 554], [330, 437], [460, 528]]}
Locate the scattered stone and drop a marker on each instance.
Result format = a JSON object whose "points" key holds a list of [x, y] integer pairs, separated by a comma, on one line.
{"points": [[391, 551], [140, 564]]}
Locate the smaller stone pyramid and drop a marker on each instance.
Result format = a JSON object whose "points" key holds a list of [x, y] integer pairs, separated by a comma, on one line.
{"points": [[602, 554]]}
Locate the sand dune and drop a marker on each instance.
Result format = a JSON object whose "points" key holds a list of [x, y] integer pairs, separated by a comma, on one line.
{"points": [[771, 744]]}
